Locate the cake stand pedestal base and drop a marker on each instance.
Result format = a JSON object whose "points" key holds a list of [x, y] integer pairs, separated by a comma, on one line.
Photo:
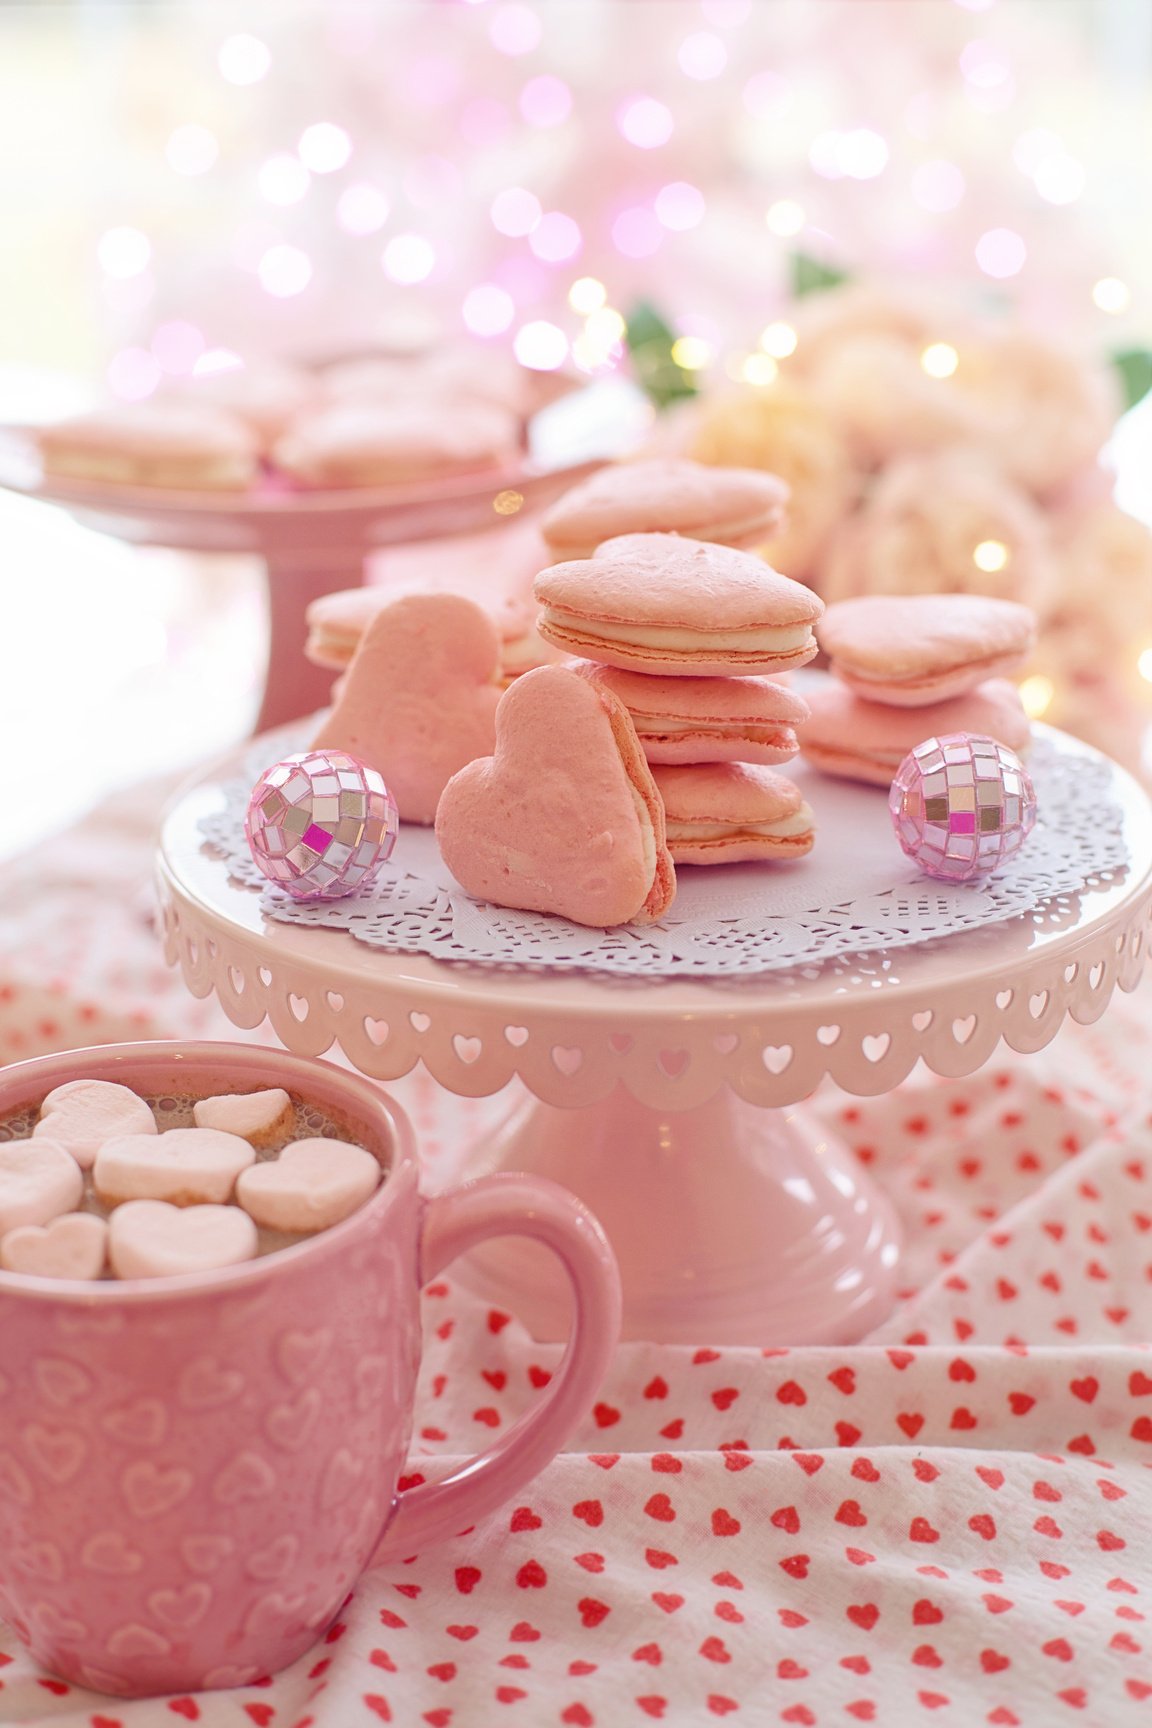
{"points": [[732, 1224], [293, 685]]}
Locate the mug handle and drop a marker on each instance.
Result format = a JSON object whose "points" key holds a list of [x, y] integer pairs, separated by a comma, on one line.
{"points": [[511, 1205]]}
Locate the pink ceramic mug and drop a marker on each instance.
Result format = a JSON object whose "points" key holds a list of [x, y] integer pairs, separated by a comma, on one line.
{"points": [[195, 1471]]}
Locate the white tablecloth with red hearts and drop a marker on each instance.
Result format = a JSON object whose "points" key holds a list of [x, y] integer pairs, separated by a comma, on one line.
{"points": [[951, 1522]]}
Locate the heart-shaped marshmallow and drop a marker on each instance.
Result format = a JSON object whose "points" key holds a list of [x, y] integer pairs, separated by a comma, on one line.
{"points": [[72, 1246], [83, 1114], [419, 700], [150, 1239], [38, 1181], [565, 817], [311, 1186], [185, 1166], [257, 1117]]}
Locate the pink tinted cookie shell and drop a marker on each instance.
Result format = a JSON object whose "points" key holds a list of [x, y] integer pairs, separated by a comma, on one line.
{"points": [[660, 603], [731, 813], [419, 700], [564, 817], [910, 650], [866, 741], [706, 719], [733, 506], [170, 444], [377, 444]]}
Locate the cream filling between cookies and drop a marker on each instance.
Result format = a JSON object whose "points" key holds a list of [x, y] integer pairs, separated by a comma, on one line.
{"points": [[191, 472], [647, 833], [772, 639], [651, 726], [801, 822]]}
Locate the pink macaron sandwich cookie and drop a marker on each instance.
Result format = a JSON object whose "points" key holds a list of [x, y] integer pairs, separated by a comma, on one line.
{"points": [[911, 650], [728, 506], [706, 719], [660, 603], [267, 395], [733, 813], [384, 443], [181, 446], [867, 741], [564, 816]]}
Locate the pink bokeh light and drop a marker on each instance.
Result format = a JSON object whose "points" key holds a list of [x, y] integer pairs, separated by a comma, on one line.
{"points": [[545, 101], [555, 238], [702, 56], [645, 122], [133, 374], [938, 185], [637, 233], [515, 29], [177, 345], [1001, 252], [515, 212], [680, 206], [488, 309]]}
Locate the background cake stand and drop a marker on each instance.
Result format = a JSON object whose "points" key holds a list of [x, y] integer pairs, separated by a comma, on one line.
{"points": [[669, 1106], [312, 543]]}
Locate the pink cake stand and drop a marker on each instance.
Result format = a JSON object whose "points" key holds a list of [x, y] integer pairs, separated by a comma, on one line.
{"points": [[672, 1108], [311, 543]]}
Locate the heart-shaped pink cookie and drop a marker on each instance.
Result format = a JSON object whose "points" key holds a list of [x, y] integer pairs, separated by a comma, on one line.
{"points": [[311, 1186], [419, 699], [150, 1239], [185, 1166], [257, 1117], [83, 1114], [72, 1246], [38, 1181], [565, 816]]}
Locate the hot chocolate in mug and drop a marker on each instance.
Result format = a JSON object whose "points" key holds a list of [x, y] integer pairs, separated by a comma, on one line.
{"points": [[195, 1470]]}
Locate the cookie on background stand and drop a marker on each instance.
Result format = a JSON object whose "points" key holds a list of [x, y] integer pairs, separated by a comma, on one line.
{"points": [[738, 507]]}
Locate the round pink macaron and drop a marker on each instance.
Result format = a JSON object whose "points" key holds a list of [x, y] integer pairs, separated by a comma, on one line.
{"points": [[660, 603], [706, 719], [382, 444], [181, 446], [910, 650], [866, 741], [732, 813], [729, 506]]}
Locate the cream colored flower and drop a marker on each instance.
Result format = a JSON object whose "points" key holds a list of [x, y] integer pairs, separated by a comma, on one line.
{"points": [[948, 523], [1044, 412], [781, 428]]}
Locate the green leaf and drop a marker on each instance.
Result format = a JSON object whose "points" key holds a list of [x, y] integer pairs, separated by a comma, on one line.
{"points": [[809, 276], [1135, 368], [649, 338]]}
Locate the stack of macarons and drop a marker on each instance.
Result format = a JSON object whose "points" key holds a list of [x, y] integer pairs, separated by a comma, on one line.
{"points": [[909, 668], [686, 635]]}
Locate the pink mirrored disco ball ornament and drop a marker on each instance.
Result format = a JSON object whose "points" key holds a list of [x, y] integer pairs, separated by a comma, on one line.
{"points": [[962, 805], [320, 824]]}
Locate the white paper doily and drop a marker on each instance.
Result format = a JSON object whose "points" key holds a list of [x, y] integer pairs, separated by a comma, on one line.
{"points": [[854, 894]]}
